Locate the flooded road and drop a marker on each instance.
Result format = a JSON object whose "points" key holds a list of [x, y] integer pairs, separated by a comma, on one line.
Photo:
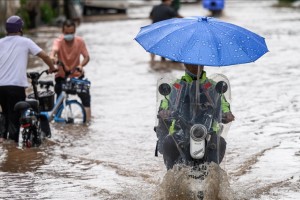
{"points": [[113, 157]]}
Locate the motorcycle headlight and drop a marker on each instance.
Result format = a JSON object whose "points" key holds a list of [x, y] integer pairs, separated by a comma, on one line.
{"points": [[198, 132]]}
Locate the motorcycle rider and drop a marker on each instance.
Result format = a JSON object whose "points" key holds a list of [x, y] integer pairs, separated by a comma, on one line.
{"points": [[14, 53], [166, 128]]}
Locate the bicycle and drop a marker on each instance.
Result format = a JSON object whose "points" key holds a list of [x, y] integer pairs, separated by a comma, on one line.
{"points": [[39, 108], [69, 110]]}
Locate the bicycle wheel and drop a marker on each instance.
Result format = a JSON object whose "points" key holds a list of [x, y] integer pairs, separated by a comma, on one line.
{"points": [[73, 112]]}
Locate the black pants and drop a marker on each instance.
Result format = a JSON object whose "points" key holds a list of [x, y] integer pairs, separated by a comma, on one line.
{"points": [[161, 132], [9, 96], [170, 152], [85, 98], [212, 150]]}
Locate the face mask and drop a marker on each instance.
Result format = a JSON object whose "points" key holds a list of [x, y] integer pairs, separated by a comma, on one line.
{"points": [[69, 37]]}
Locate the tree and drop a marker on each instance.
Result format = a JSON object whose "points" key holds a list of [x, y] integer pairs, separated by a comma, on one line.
{"points": [[3, 7]]}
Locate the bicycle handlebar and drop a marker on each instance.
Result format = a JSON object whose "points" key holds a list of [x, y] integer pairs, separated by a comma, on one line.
{"points": [[36, 75], [67, 72]]}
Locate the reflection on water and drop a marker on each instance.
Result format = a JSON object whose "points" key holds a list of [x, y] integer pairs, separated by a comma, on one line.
{"points": [[17, 170], [21, 160]]}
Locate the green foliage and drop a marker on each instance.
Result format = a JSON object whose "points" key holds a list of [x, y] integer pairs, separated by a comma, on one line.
{"points": [[286, 1], [2, 35], [47, 13], [23, 2], [22, 12]]}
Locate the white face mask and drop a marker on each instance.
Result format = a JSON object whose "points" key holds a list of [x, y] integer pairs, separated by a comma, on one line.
{"points": [[69, 37]]}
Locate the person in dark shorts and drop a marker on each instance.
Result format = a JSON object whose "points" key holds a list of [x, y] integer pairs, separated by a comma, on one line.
{"points": [[162, 12]]}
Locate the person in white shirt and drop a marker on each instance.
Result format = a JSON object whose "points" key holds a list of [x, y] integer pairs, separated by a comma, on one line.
{"points": [[14, 53]]}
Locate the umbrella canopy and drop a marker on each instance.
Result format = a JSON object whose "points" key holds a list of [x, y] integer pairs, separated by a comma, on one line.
{"points": [[202, 41]]}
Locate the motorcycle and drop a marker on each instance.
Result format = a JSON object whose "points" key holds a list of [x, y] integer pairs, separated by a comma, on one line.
{"points": [[190, 128]]}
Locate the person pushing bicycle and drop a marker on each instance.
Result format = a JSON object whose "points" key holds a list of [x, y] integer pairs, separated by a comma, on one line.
{"points": [[68, 48], [14, 53]]}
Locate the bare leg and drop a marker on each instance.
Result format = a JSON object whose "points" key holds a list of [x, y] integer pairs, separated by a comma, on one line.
{"points": [[152, 57], [88, 114]]}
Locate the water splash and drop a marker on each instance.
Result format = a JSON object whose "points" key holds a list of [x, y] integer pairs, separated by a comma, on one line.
{"points": [[182, 183], [216, 184]]}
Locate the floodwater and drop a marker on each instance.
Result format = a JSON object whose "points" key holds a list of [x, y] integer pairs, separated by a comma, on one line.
{"points": [[113, 157]]}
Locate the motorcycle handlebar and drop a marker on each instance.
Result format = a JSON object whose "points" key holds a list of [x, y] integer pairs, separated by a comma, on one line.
{"points": [[175, 115]]}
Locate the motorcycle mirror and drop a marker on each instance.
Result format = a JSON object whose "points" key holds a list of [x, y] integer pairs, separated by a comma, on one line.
{"points": [[164, 89], [221, 87]]}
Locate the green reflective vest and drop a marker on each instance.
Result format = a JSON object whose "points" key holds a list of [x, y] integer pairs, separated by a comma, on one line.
{"points": [[225, 106]]}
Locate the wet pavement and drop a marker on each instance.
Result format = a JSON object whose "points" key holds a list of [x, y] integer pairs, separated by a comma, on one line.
{"points": [[113, 157]]}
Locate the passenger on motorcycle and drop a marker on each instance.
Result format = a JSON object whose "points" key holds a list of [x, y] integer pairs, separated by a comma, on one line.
{"points": [[68, 48], [166, 128], [14, 53]]}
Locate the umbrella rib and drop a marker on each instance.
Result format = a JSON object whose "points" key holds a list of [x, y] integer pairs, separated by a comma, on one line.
{"points": [[230, 55], [238, 29], [168, 35], [187, 43], [215, 38], [161, 26]]}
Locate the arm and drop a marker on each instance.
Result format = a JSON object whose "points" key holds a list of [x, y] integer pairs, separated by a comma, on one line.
{"points": [[85, 54], [54, 50], [84, 62], [227, 115], [179, 16], [47, 60], [225, 105], [174, 14], [151, 14], [53, 54]]}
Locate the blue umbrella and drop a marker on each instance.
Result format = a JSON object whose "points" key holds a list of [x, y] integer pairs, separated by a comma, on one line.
{"points": [[202, 41]]}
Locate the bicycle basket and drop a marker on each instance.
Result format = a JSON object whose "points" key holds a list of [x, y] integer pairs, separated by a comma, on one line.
{"points": [[46, 99], [77, 86]]}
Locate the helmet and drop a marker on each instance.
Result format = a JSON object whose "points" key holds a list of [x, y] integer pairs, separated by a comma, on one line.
{"points": [[14, 24]]}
